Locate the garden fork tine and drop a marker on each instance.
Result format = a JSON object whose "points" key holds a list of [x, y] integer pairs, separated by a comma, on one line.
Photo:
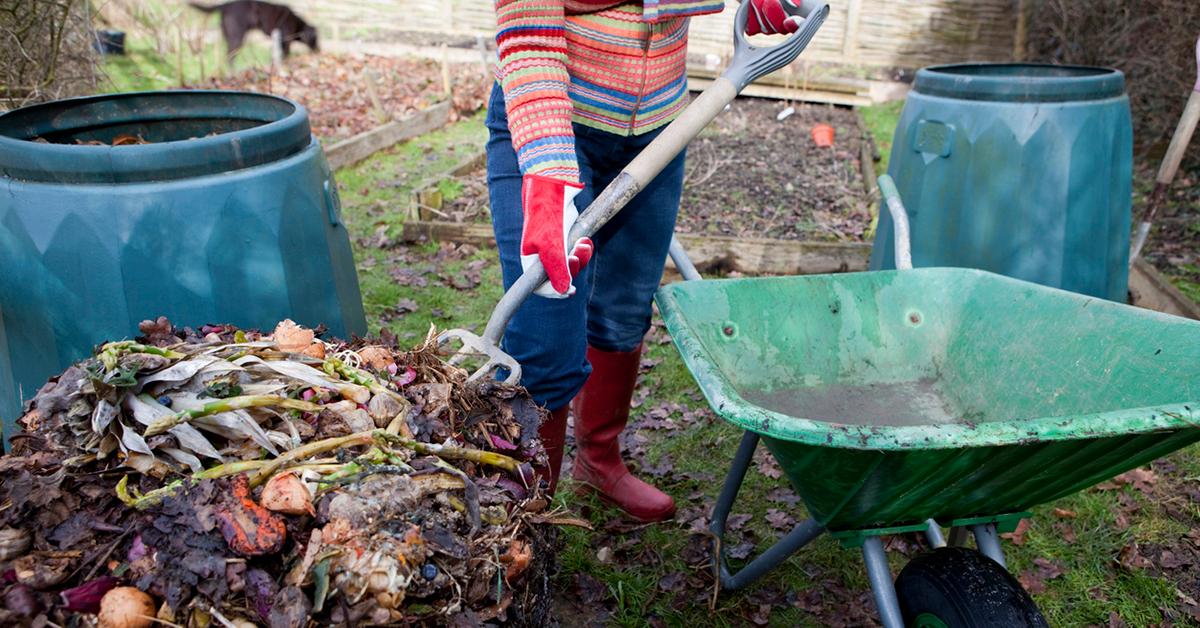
{"points": [[748, 63]]}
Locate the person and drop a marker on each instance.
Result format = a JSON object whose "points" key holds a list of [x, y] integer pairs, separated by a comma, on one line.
{"points": [[583, 86]]}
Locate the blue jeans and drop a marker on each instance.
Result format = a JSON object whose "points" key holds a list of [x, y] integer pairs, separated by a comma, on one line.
{"points": [[612, 304]]}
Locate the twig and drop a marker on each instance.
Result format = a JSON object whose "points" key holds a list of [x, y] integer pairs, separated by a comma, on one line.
{"points": [[104, 559]]}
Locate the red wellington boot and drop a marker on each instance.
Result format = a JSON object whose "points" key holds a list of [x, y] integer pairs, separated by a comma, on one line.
{"points": [[601, 411], [553, 434]]}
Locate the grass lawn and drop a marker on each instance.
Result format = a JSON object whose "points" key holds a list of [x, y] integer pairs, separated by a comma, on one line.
{"points": [[142, 68], [1076, 555]]}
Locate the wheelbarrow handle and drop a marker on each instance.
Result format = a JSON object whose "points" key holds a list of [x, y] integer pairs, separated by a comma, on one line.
{"points": [[903, 243], [748, 63]]}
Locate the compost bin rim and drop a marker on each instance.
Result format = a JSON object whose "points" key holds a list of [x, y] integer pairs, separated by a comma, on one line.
{"points": [[230, 151], [1071, 82]]}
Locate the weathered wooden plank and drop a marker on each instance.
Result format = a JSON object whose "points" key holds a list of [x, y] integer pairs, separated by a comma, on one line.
{"points": [[850, 38], [751, 256], [759, 256], [779, 79], [427, 196], [876, 34], [784, 93], [354, 149], [1153, 291]]}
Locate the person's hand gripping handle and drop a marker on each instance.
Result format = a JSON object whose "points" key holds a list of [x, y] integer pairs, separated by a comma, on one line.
{"points": [[549, 213]]}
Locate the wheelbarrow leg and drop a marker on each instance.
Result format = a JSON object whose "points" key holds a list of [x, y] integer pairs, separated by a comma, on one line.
{"points": [[958, 536], [933, 534], [880, 576], [988, 542], [801, 535]]}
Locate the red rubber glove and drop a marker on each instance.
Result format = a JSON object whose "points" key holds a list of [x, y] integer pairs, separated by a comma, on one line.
{"points": [[768, 17], [549, 213]]}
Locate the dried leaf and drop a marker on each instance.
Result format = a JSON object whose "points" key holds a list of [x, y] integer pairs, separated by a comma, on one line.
{"points": [[780, 520], [1017, 536], [236, 425], [1142, 479], [103, 416], [131, 441], [183, 457], [181, 371]]}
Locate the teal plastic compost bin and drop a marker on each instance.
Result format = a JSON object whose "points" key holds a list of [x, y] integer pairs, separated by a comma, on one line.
{"points": [[1024, 170], [228, 215]]}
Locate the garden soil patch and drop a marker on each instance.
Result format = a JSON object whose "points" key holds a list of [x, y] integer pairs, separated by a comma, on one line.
{"points": [[1174, 242], [749, 175], [334, 88]]}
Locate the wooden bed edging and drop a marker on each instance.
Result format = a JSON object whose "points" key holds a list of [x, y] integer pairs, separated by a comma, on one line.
{"points": [[761, 256], [354, 149]]}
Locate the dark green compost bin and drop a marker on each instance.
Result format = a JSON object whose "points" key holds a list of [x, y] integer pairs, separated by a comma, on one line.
{"points": [[1024, 170], [229, 215]]}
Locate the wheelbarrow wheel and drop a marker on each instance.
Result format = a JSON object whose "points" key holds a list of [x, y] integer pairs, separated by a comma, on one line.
{"points": [[957, 587]]}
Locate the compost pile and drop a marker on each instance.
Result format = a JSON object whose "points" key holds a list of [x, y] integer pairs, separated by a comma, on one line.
{"points": [[229, 478]]}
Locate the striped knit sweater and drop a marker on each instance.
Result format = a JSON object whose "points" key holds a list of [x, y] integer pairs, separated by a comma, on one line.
{"points": [[616, 67]]}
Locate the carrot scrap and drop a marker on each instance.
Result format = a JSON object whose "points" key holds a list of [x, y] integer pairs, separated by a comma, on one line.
{"points": [[248, 528]]}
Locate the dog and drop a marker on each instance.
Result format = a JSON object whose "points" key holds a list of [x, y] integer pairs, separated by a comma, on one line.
{"points": [[241, 16]]}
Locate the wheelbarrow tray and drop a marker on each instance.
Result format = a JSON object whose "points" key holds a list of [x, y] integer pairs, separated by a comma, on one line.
{"points": [[892, 397]]}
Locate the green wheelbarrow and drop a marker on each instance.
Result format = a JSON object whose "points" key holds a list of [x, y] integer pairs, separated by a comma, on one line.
{"points": [[902, 401]]}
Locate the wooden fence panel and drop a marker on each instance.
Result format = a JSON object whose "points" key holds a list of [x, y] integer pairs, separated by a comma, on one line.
{"points": [[870, 34]]}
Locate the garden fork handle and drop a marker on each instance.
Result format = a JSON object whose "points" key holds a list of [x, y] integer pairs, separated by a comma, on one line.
{"points": [[748, 63]]}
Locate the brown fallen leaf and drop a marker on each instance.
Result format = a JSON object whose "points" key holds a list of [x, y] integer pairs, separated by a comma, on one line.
{"points": [[1066, 532], [126, 139], [779, 520], [1142, 479], [1131, 557], [1017, 536], [766, 464], [1063, 513]]}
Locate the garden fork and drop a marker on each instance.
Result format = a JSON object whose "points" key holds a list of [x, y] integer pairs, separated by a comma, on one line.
{"points": [[748, 64]]}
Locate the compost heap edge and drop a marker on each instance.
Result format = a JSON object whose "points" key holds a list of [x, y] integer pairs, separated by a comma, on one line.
{"points": [[228, 477]]}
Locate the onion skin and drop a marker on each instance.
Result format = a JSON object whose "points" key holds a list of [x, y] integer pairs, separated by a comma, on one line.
{"points": [[86, 597], [285, 493], [126, 607]]}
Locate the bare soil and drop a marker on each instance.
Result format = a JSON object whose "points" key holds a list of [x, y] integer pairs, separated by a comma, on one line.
{"points": [[750, 175], [1174, 242], [347, 94]]}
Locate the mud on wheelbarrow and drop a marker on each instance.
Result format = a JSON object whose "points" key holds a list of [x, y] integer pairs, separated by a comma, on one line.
{"points": [[906, 400]]}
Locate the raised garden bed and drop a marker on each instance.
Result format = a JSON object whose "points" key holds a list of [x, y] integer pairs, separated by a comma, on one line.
{"points": [[748, 175], [761, 198], [1173, 247]]}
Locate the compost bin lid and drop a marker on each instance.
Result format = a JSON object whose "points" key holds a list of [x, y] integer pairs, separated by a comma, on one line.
{"points": [[191, 133], [1020, 82]]}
